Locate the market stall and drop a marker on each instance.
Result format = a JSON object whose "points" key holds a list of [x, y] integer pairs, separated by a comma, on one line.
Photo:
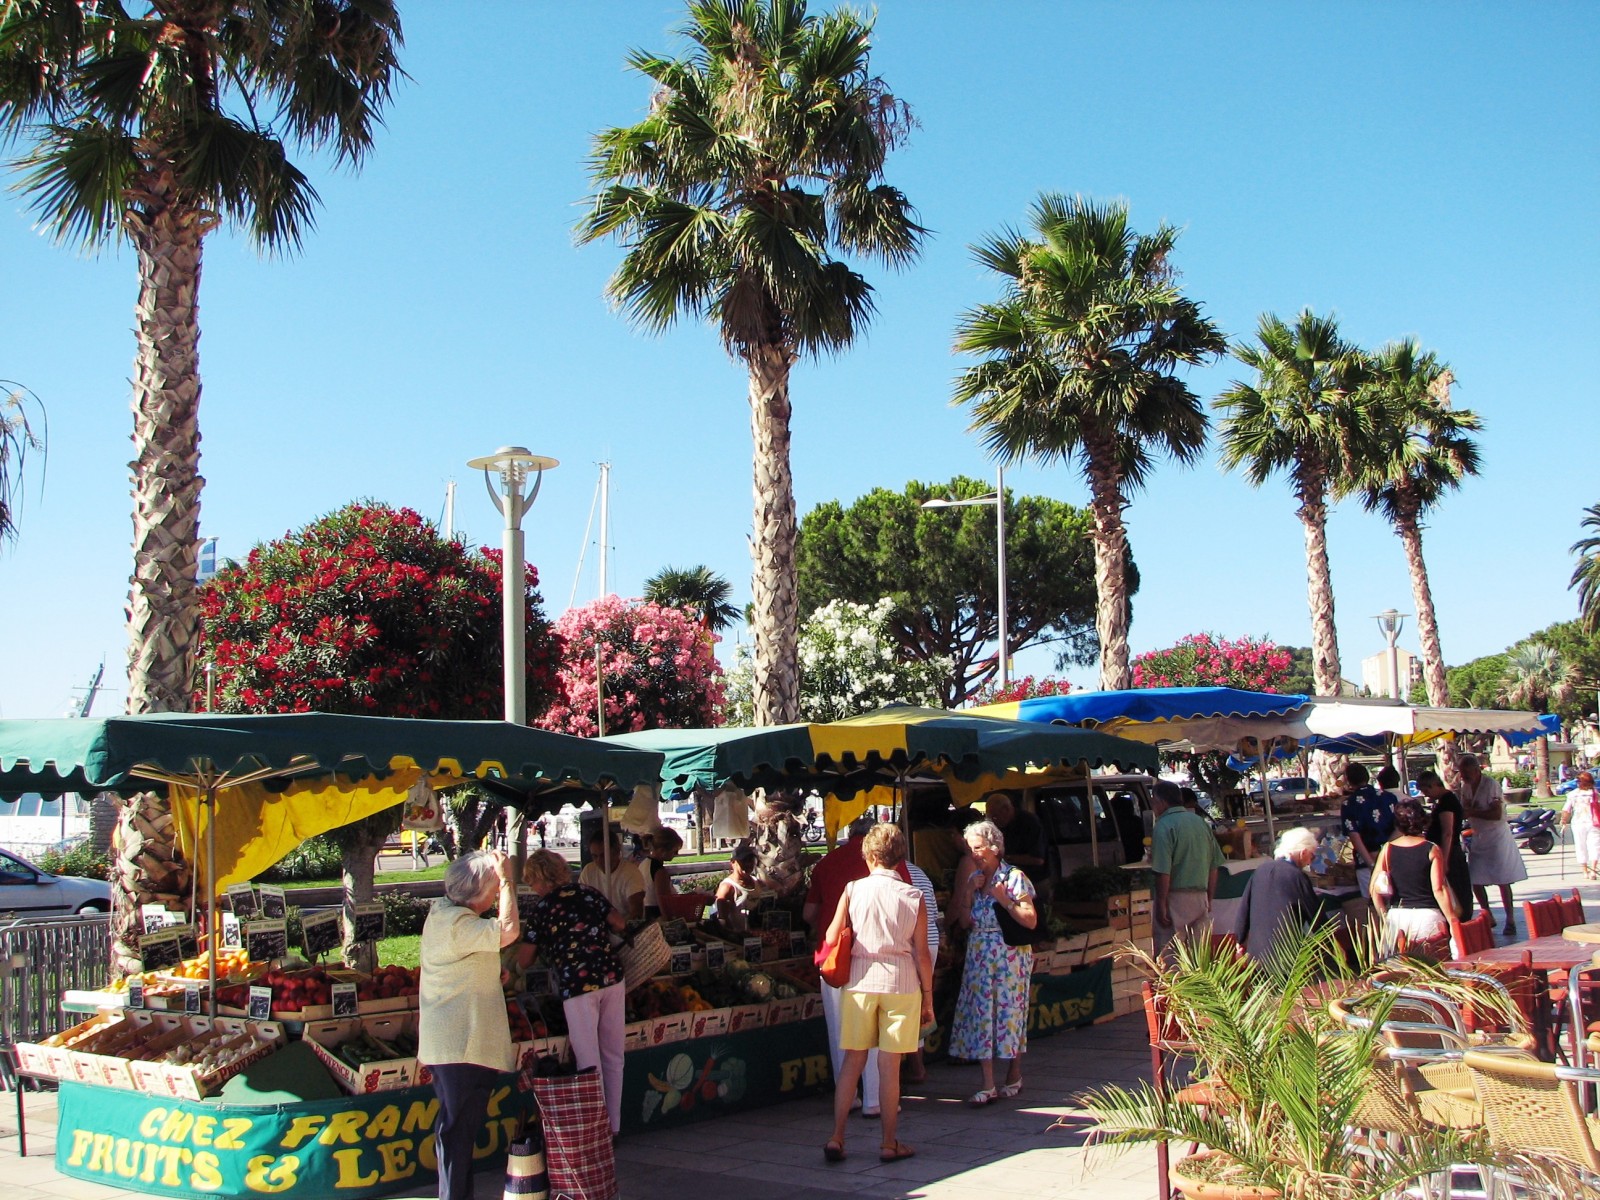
{"points": [[204, 1101]]}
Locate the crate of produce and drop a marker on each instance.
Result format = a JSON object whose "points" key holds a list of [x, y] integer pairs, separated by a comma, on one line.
{"points": [[781, 1012], [52, 1057], [636, 1035], [709, 1022], [747, 1016], [672, 1028], [198, 1069], [367, 1054], [101, 1058], [146, 1069]]}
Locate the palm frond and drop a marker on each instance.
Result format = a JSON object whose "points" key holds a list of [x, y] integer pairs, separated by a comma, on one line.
{"points": [[1586, 575], [78, 177]]}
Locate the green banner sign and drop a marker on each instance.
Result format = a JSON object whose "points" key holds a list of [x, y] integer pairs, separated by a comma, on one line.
{"points": [[354, 1146], [708, 1077]]}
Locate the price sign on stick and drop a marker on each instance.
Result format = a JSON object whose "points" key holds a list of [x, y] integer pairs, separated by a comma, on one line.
{"points": [[716, 955], [322, 932], [242, 900], [344, 999], [266, 940], [191, 997], [752, 949], [160, 951], [369, 922], [777, 918], [260, 1003], [230, 931], [679, 963], [135, 993], [155, 917], [797, 943], [273, 904], [188, 942]]}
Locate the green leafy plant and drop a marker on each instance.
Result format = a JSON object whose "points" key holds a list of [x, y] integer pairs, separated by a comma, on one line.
{"points": [[82, 860], [315, 858], [1292, 1083], [1098, 883], [403, 913]]}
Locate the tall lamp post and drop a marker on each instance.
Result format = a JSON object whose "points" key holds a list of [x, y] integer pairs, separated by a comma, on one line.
{"points": [[1391, 622], [998, 499], [513, 464]]}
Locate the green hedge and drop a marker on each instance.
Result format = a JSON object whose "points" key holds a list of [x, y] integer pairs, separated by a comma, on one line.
{"points": [[83, 859]]}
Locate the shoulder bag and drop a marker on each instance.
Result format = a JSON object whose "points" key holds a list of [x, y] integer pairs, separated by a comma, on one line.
{"points": [[1012, 931], [833, 959]]}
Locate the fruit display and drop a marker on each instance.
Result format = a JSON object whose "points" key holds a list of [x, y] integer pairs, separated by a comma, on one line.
{"points": [[388, 983], [232, 965], [366, 1047], [292, 991], [523, 1027]]}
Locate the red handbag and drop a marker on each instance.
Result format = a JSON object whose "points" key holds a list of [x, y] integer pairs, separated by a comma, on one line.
{"points": [[833, 958]]}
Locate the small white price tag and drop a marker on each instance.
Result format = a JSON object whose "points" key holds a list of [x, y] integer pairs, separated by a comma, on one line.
{"points": [[191, 997], [716, 955], [752, 949], [135, 993], [344, 999], [260, 1003], [680, 964]]}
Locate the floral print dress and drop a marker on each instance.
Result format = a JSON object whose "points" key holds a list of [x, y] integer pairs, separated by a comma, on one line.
{"points": [[568, 928], [992, 1013]]}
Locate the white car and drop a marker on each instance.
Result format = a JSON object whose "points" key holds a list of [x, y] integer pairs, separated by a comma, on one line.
{"points": [[27, 891]]}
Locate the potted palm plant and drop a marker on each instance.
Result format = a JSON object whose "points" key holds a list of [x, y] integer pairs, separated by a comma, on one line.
{"points": [[1291, 1084]]}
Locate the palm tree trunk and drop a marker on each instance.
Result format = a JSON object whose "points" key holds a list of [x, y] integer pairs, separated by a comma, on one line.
{"points": [[1311, 489], [772, 545], [1433, 672], [1541, 768], [162, 607], [1111, 618]]}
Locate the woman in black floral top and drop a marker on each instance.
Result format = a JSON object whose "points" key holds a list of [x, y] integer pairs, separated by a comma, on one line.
{"points": [[570, 928]]}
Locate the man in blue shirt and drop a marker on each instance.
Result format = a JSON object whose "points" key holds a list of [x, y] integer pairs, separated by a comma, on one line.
{"points": [[1367, 817]]}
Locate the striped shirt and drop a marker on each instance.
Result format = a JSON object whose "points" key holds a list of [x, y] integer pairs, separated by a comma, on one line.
{"points": [[920, 881], [883, 916]]}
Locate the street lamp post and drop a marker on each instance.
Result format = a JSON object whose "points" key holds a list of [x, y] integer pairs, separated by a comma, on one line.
{"points": [[1391, 622], [998, 499], [513, 464]]}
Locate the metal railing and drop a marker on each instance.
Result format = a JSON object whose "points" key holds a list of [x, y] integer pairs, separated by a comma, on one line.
{"points": [[40, 958]]}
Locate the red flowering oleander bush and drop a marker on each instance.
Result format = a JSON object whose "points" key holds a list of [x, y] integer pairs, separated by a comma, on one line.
{"points": [[367, 610], [659, 664], [1023, 689], [1205, 660]]}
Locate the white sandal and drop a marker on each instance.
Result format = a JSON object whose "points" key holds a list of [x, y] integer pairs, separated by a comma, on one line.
{"points": [[983, 1096], [1007, 1091]]}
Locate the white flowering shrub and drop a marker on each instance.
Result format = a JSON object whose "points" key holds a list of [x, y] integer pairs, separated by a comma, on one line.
{"points": [[848, 665]]}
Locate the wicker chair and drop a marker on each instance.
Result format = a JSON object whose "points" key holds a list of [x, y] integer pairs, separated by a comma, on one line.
{"points": [[1532, 1111]]}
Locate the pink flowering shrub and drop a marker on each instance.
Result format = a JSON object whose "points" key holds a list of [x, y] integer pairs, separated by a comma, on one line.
{"points": [[1205, 660], [660, 669], [1022, 689]]}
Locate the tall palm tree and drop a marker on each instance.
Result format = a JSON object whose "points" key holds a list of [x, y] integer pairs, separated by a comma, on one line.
{"points": [[17, 437], [762, 155], [699, 589], [1301, 415], [1421, 450], [1536, 677], [1079, 356], [156, 122], [1586, 575]]}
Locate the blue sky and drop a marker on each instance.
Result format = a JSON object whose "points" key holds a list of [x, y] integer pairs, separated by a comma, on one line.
{"points": [[1419, 169]]}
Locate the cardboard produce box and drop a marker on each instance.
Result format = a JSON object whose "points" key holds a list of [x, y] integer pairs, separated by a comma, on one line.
{"points": [[709, 1022], [671, 1028], [53, 1058], [746, 1016], [99, 1059], [231, 1046], [376, 1075], [636, 1035]]}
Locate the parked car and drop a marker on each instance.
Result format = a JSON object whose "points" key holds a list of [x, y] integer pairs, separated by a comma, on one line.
{"points": [[28, 891]]}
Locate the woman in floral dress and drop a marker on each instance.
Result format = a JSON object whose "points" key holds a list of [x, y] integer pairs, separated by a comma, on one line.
{"points": [[992, 1013]]}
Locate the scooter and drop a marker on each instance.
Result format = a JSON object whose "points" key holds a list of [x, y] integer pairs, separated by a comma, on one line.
{"points": [[1536, 829]]}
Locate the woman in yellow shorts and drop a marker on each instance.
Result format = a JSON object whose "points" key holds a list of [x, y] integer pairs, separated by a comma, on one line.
{"points": [[890, 994]]}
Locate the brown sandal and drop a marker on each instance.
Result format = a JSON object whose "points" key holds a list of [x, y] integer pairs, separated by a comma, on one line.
{"points": [[895, 1151], [833, 1150]]}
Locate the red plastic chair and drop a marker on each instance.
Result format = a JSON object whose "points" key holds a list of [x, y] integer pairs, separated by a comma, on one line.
{"points": [[1545, 918], [1472, 936], [1571, 908]]}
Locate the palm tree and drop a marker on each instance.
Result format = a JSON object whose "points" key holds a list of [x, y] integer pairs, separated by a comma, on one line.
{"points": [[1078, 361], [1301, 415], [1421, 451], [762, 155], [17, 437], [699, 589], [1586, 575], [1536, 677], [157, 122]]}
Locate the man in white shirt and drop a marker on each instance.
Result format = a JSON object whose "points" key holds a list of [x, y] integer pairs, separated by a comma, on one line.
{"points": [[623, 885]]}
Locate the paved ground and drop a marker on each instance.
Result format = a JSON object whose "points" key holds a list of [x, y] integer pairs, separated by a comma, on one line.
{"points": [[963, 1154]]}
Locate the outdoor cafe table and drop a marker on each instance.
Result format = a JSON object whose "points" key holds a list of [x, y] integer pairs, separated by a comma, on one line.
{"points": [[1544, 955], [1582, 933]]}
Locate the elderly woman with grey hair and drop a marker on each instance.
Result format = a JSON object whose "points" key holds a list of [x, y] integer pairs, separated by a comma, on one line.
{"points": [[991, 1021], [1278, 894], [463, 1034]]}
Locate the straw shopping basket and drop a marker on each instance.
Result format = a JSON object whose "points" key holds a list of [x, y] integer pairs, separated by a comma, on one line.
{"points": [[644, 956]]}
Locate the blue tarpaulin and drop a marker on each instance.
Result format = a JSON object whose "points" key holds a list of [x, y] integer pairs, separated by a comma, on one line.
{"points": [[1549, 726]]}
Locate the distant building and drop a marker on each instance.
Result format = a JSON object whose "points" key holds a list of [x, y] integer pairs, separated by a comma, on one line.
{"points": [[1375, 679]]}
